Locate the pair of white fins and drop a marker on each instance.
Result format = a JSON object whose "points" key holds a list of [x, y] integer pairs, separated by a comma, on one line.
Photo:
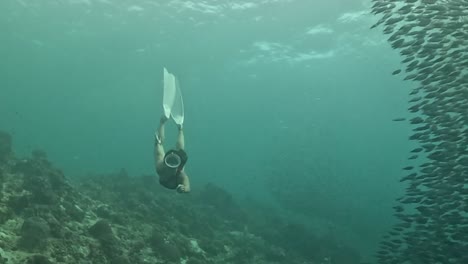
{"points": [[173, 103]]}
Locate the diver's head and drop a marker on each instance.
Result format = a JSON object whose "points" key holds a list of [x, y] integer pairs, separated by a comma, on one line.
{"points": [[175, 159]]}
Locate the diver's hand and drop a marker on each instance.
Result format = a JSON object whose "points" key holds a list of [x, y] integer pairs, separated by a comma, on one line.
{"points": [[180, 188]]}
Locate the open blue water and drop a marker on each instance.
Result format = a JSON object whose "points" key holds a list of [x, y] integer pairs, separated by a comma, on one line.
{"points": [[287, 101]]}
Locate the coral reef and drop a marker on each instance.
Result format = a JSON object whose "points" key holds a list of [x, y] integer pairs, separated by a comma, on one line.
{"points": [[120, 219]]}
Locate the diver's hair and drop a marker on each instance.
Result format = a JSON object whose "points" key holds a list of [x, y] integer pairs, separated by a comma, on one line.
{"points": [[182, 154]]}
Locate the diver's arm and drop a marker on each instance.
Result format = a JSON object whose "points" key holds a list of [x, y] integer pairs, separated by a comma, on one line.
{"points": [[158, 155], [158, 143], [184, 187], [160, 135]]}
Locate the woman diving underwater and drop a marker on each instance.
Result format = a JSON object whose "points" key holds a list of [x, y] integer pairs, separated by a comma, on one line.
{"points": [[170, 165]]}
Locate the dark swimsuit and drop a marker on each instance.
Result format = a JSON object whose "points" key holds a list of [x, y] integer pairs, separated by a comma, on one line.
{"points": [[170, 183]]}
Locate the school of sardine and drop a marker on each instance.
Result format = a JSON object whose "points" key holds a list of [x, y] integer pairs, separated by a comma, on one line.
{"points": [[432, 38]]}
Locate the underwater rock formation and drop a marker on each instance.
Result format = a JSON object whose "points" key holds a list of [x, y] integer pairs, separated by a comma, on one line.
{"points": [[119, 219], [34, 234]]}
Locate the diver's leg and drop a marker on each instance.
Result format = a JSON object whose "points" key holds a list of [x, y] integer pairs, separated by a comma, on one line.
{"points": [[158, 153], [160, 135], [158, 144], [180, 138]]}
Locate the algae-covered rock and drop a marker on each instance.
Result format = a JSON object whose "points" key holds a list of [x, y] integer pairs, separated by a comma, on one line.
{"points": [[5, 146], [102, 231], [212, 247], [3, 256], [103, 211], [120, 259], [110, 245], [25, 167], [195, 260], [38, 259], [169, 251], [34, 234], [164, 247], [5, 214], [18, 203], [109, 219], [45, 183], [156, 239], [74, 211]]}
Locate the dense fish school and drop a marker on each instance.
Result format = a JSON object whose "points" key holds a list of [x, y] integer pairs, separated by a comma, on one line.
{"points": [[432, 39]]}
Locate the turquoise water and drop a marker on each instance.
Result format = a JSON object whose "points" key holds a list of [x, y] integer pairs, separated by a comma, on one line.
{"points": [[288, 101]]}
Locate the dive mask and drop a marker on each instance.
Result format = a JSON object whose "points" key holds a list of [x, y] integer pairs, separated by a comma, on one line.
{"points": [[172, 160]]}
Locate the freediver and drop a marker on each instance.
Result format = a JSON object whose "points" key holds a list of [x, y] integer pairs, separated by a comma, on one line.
{"points": [[170, 165]]}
